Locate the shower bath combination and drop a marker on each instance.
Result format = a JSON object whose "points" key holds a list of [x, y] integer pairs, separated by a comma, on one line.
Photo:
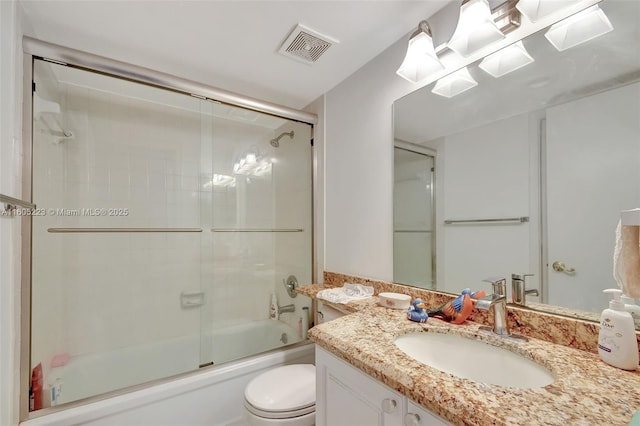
{"points": [[276, 141], [175, 157]]}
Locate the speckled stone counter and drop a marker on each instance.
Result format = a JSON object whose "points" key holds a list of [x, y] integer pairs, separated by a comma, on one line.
{"points": [[555, 328], [355, 306], [586, 390]]}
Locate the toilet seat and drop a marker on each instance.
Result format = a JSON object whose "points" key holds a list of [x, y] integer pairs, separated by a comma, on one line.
{"points": [[279, 414], [283, 392]]}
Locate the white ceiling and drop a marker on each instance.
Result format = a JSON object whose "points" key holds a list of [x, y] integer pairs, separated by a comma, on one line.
{"points": [[230, 44]]}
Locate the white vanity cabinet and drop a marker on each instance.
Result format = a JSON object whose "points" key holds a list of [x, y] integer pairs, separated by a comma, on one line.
{"points": [[327, 313], [418, 416], [345, 396]]}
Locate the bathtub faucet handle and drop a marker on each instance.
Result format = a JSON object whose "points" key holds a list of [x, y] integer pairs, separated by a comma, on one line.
{"points": [[291, 283]]}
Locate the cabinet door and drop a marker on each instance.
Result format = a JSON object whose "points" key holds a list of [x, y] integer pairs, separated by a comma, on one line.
{"points": [[418, 416], [327, 313], [345, 396]]}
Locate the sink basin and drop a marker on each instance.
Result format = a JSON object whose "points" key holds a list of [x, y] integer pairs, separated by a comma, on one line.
{"points": [[474, 360]]}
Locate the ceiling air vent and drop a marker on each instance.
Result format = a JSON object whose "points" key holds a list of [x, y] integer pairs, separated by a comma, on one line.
{"points": [[306, 45]]}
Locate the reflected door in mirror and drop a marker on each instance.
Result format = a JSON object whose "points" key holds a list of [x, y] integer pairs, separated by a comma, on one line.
{"points": [[593, 172]]}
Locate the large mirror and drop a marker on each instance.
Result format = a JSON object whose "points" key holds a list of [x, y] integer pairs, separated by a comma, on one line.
{"points": [[524, 173]]}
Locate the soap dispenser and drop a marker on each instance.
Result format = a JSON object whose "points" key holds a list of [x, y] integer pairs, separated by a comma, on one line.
{"points": [[617, 344]]}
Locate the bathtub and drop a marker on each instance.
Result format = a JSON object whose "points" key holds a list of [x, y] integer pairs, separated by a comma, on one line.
{"points": [[235, 341], [211, 396]]}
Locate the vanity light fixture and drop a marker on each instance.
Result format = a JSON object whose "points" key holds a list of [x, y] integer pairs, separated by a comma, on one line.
{"points": [[506, 60], [579, 28], [535, 10], [421, 60], [455, 83], [476, 28]]}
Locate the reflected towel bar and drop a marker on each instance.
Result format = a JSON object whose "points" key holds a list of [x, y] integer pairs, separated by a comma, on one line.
{"points": [[424, 231], [93, 230], [254, 230], [521, 219]]}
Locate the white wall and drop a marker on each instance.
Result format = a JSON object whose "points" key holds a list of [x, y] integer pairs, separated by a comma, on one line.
{"points": [[359, 167], [10, 184]]}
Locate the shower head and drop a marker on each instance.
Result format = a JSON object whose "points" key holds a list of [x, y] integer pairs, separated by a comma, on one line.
{"points": [[276, 142]]}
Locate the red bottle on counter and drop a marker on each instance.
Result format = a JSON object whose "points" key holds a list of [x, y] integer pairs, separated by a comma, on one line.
{"points": [[36, 387]]}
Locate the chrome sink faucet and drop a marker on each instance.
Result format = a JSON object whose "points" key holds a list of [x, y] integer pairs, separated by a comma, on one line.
{"points": [[497, 300], [519, 290]]}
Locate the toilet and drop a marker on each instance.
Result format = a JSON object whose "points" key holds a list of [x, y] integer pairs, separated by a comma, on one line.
{"points": [[282, 396]]}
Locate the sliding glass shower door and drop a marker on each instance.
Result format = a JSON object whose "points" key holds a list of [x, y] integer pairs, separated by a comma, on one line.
{"points": [[413, 218], [258, 213], [165, 224]]}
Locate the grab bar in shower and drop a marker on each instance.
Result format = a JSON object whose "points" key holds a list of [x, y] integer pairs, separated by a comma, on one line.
{"points": [[521, 219], [413, 231], [94, 230], [256, 230], [11, 203]]}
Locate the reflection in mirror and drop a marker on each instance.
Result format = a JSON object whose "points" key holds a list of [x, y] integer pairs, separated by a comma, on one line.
{"points": [[555, 145], [413, 240]]}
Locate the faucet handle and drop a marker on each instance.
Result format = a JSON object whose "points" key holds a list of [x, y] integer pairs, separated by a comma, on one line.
{"points": [[499, 285]]}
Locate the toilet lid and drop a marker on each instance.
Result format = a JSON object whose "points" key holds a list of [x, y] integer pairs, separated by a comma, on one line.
{"points": [[283, 389]]}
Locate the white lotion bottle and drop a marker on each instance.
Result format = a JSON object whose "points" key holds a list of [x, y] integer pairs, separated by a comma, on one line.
{"points": [[273, 307], [617, 344]]}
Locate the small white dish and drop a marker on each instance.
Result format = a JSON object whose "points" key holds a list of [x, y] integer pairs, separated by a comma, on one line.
{"points": [[394, 300]]}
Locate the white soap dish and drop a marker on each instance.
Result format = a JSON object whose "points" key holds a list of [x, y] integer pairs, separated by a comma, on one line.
{"points": [[394, 300]]}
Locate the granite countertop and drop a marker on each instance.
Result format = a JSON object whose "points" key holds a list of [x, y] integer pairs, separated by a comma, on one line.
{"points": [[586, 390]]}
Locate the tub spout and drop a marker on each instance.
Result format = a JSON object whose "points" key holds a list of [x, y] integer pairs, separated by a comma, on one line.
{"points": [[286, 308]]}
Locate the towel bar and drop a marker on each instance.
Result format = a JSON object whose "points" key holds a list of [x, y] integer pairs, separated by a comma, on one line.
{"points": [[93, 230], [521, 219], [11, 203]]}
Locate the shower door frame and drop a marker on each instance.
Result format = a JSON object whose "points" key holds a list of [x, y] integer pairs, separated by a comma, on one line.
{"points": [[36, 49], [431, 153]]}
